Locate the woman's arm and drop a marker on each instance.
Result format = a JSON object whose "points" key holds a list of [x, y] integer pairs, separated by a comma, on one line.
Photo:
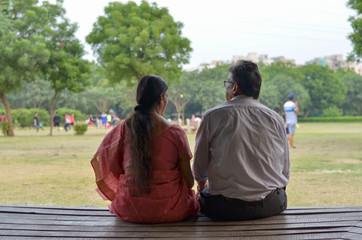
{"points": [[184, 165]]}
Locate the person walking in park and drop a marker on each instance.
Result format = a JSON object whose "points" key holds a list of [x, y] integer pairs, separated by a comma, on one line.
{"points": [[67, 124], [36, 122], [3, 118], [241, 161], [103, 119], [72, 120], [56, 120], [143, 164], [90, 121], [114, 120], [291, 110], [109, 120]]}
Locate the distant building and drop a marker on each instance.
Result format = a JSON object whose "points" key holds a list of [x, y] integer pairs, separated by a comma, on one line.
{"points": [[262, 58], [211, 65], [336, 61], [282, 59], [252, 56]]}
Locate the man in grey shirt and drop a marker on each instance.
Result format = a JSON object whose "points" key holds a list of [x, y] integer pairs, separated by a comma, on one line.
{"points": [[242, 153]]}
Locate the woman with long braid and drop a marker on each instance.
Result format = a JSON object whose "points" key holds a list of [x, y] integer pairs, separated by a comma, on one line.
{"points": [[143, 164]]}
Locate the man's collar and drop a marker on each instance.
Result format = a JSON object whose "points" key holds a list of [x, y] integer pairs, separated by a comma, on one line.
{"points": [[241, 96]]}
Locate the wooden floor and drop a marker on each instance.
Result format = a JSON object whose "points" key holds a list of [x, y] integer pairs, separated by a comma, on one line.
{"points": [[24, 222]]}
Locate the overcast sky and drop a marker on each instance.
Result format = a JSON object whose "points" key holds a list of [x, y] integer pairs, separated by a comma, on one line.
{"points": [[219, 29]]}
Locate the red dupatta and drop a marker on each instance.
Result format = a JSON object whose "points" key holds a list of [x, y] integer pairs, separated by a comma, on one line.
{"points": [[107, 162]]}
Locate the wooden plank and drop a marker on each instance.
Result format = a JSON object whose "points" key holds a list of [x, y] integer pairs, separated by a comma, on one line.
{"points": [[351, 236], [104, 211], [168, 234], [148, 228], [115, 221], [56, 207], [107, 214], [288, 237], [55, 211], [22, 222]]}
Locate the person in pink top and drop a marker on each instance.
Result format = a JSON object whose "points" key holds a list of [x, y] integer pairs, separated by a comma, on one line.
{"points": [[143, 165]]}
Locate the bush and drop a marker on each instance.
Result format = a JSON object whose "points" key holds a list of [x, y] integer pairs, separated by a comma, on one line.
{"points": [[43, 116], [4, 126], [331, 112], [78, 115], [80, 129], [331, 119], [23, 117]]}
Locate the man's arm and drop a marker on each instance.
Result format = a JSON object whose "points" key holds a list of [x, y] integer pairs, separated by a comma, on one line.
{"points": [[296, 110], [201, 156], [285, 117]]}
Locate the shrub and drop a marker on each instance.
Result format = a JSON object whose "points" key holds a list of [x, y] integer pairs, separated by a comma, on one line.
{"points": [[23, 117], [331, 119], [78, 115], [43, 116], [80, 129], [331, 112], [4, 126]]}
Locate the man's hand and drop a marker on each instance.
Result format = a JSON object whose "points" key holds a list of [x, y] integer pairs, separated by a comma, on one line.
{"points": [[201, 185]]}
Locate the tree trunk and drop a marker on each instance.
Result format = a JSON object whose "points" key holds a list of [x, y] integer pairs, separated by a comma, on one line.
{"points": [[178, 115], [307, 113], [51, 114], [8, 114], [358, 111], [183, 116]]}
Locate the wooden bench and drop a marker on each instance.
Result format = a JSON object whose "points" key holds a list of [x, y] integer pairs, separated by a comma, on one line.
{"points": [[27, 222]]}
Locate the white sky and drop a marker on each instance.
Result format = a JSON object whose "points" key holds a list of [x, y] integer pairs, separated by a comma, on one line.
{"points": [[219, 29]]}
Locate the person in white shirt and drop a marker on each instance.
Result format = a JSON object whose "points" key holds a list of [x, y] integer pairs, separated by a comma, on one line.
{"points": [[241, 161], [291, 110]]}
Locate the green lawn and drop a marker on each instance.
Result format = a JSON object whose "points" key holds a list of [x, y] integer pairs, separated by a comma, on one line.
{"points": [[36, 169]]}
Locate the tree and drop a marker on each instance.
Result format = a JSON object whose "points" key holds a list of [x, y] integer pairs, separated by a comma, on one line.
{"points": [[36, 94], [356, 35], [131, 41], [181, 94], [353, 82], [274, 93], [65, 68], [21, 54], [210, 85], [285, 68], [325, 88]]}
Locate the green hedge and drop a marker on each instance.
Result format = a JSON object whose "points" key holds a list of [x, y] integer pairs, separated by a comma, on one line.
{"points": [[331, 119], [80, 129], [4, 127], [78, 115], [23, 117]]}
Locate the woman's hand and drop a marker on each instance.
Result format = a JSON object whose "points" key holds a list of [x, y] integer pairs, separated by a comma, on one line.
{"points": [[184, 165]]}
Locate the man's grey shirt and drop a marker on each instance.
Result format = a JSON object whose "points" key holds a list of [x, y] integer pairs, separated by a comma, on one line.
{"points": [[242, 149]]}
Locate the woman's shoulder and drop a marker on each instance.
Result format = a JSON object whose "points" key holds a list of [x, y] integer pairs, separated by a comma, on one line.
{"points": [[176, 130]]}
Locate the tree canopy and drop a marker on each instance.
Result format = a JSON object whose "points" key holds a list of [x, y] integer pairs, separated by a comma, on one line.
{"points": [[356, 35], [39, 43], [131, 41], [21, 52]]}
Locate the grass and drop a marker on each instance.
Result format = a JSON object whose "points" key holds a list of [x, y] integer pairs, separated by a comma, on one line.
{"points": [[36, 169]]}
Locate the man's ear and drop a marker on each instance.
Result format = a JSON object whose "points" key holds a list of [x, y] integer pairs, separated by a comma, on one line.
{"points": [[236, 89]]}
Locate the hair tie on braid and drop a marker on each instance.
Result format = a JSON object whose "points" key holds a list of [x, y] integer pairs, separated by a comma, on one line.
{"points": [[139, 107]]}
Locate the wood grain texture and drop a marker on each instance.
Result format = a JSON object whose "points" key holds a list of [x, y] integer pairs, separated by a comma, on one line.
{"points": [[31, 222]]}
